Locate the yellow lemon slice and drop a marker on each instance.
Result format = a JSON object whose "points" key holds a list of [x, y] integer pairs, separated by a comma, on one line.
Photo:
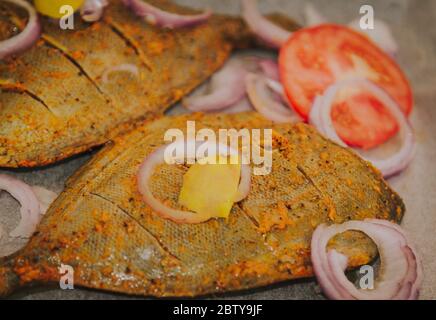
{"points": [[210, 188], [52, 8]]}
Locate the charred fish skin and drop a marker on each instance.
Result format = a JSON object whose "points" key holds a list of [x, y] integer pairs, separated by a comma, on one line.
{"points": [[102, 228], [54, 102]]}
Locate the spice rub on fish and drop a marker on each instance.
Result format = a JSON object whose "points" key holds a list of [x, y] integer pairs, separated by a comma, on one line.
{"points": [[101, 226], [55, 102]]}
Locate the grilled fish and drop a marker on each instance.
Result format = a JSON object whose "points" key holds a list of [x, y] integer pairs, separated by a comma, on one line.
{"points": [[101, 227], [54, 101]]}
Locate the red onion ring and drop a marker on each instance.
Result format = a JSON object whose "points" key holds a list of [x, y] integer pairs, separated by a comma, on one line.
{"points": [[164, 19], [45, 197], [264, 29], [270, 68], [320, 117], [278, 89], [402, 270], [264, 103], [241, 106], [126, 67], [416, 265], [30, 208], [26, 38], [157, 157], [227, 88], [92, 10]]}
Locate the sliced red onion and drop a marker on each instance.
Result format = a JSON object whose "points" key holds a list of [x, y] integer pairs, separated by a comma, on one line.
{"points": [[30, 209], [381, 35], [280, 96], [270, 68], [415, 270], [401, 269], [92, 10], [161, 18], [126, 67], [260, 96], [315, 115], [45, 197], [227, 92], [27, 37], [241, 106], [277, 88], [270, 33], [312, 16], [226, 88], [320, 117], [157, 157]]}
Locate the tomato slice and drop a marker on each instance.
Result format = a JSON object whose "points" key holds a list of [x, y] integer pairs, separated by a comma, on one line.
{"points": [[361, 119], [314, 58]]}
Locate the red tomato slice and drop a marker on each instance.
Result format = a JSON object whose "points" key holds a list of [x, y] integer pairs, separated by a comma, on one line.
{"points": [[314, 58], [351, 108]]}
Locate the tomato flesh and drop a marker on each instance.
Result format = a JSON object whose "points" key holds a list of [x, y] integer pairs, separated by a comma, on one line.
{"points": [[315, 58], [347, 115]]}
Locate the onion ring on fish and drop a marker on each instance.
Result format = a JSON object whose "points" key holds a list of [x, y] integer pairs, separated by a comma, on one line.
{"points": [[30, 207], [45, 197], [401, 268], [164, 19], [27, 37], [92, 10], [320, 117], [157, 157], [127, 67], [270, 33], [262, 100]]}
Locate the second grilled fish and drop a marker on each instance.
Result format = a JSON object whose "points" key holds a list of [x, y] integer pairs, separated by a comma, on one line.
{"points": [[54, 102]]}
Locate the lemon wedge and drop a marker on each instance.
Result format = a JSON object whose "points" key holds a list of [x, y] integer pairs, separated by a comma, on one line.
{"points": [[52, 8], [211, 188]]}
